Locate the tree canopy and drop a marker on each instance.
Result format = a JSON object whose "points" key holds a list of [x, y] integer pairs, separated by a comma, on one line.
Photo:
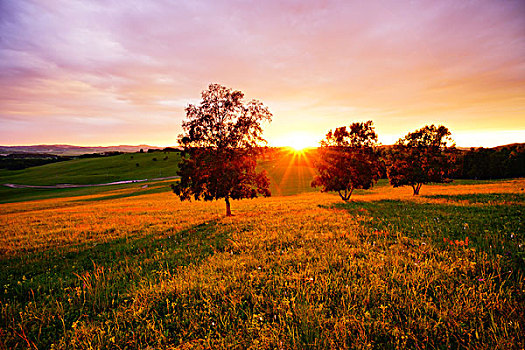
{"points": [[222, 139], [421, 157], [348, 160]]}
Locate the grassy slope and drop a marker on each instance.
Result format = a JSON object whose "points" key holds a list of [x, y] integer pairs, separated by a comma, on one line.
{"points": [[289, 174], [87, 171], [304, 271], [96, 170]]}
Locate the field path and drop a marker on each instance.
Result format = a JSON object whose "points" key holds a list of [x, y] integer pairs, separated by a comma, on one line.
{"points": [[90, 185]]}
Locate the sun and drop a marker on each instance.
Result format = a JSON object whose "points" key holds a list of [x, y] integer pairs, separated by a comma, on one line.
{"points": [[299, 141]]}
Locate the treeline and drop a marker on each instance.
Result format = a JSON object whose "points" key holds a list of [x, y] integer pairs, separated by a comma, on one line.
{"points": [[19, 161], [503, 162], [492, 163], [26, 160]]}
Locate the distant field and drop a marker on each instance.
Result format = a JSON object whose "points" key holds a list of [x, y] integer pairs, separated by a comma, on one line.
{"points": [[131, 269], [289, 174], [97, 170], [88, 171]]}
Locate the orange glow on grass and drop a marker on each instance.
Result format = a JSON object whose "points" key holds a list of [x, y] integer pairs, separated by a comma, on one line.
{"points": [[299, 170]]}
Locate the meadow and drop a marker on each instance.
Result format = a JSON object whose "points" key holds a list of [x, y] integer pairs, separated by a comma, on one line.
{"points": [[134, 166], [126, 267]]}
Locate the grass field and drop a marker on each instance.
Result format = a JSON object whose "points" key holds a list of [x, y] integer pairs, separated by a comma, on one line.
{"points": [[135, 166], [97, 170], [126, 267]]}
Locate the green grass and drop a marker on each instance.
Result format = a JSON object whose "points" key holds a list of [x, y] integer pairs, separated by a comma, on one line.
{"points": [[289, 175], [292, 272], [483, 197], [153, 187], [88, 171], [97, 170], [137, 268], [93, 279], [13, 195], [497, 229]]}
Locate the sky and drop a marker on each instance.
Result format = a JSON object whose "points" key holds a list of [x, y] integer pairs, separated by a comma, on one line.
{"points": [[107, 72]]}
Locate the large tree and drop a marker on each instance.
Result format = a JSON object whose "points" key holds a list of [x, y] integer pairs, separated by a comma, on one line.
{"points": [[421, 157], [348, 160], [222, 139]]}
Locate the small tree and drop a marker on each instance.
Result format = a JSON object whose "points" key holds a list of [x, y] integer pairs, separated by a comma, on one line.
{"points": [[221, 143], [423, 156], [348, 160]]}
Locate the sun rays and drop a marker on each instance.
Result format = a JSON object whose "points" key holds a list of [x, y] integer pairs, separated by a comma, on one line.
{"points": [[296, 168]]}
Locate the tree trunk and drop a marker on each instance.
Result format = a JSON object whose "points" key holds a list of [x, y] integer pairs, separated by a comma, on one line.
{"points": [[416, 188], [228, 210], [346, 195]]}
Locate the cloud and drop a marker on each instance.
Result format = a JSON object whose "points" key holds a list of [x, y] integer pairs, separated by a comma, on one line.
{"points": [[408, 61]]}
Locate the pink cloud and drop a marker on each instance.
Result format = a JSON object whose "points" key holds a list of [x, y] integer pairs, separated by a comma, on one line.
{"points": [[70, 61]]}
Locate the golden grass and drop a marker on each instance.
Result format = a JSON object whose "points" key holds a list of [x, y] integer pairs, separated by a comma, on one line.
{"points": [[42, 224], [294, 273]]}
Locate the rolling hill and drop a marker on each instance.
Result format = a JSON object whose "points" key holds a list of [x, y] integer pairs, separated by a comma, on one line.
{"points": [[289, 173], [71, 150]]}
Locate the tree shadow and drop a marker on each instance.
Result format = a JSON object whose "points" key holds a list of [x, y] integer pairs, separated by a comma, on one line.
{"points": [[494, 227], [128, 261]]}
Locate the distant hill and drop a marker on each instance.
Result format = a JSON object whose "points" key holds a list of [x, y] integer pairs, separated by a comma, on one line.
{"points": [[70, 150], [289, 173], [511, 145]]}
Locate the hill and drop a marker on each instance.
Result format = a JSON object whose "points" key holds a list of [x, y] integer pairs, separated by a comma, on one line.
{"points": [[135, 166], [289, 172], [69, 150], [97, 170]]}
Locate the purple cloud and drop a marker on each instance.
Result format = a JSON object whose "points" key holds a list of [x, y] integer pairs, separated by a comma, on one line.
{"points": [[71, 65]]}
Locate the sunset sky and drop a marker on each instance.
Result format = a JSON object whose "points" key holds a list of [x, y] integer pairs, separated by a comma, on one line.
{"points": [[99, 72]]}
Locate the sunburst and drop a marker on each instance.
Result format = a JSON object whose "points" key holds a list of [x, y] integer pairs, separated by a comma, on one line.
{"points": [[299, 141]]}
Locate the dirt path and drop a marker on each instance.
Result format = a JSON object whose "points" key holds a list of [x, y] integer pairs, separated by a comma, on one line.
{"points": [[92, 185]]}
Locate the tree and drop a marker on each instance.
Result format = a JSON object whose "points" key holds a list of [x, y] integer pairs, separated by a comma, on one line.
{"points": [[421, 157], [348, 160], [221, 141]]}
